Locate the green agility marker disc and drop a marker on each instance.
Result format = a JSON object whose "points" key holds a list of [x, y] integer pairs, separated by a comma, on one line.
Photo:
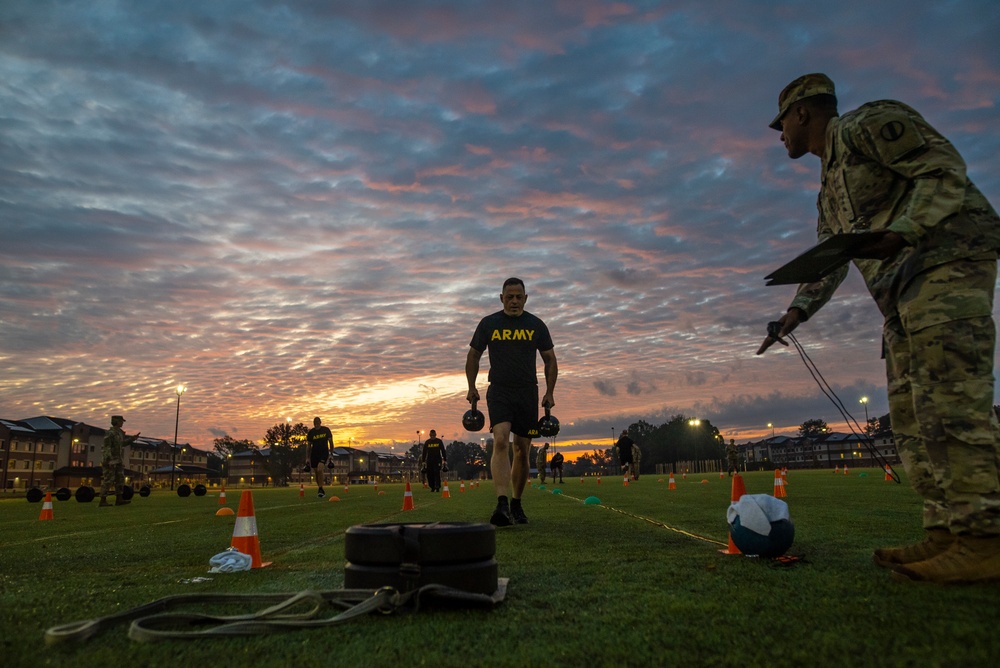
{"points": [[592, 501]]}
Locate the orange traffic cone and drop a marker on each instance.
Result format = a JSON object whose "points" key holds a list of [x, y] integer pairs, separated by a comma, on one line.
{"points": [[779, 485], [845, 469], [47, 508], [222, 496], [598, 480], [302, 490], [581, 481], [461, 488], [671, 483], [408, 497], [626, 481], [836, 469], [346, 488], [245, 532], [376, 488], [721, 474], [684, 476], [888, 472], [445, 494], [739, 489]]}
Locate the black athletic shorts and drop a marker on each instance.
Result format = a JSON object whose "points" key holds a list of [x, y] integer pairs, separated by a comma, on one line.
{"points": [[517, 405], [318, 455]]}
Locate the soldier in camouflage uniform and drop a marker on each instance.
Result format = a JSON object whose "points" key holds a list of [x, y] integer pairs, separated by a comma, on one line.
{"points": [[733, 456], [636, 460], [931, 267], [541, 457], [113, 463]]}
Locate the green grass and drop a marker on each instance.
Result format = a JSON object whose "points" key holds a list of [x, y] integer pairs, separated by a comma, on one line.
{"points": [[588, 586]]}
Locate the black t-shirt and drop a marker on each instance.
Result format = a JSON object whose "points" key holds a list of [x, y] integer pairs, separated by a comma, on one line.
{"points": [[433, 451], [512, 342], [557, 460], [320, 438], [624, 448]]}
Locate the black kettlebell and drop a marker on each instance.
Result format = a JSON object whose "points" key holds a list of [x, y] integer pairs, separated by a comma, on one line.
{"points": [[548, 426], [473, 420]]}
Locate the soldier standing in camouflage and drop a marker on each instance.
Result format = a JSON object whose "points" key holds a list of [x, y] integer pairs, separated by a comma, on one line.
{"points": [[733, 456], [113, 462], [931, 268]]}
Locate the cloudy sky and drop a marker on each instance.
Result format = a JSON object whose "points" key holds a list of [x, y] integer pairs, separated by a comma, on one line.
{"points": [[304, 208]]}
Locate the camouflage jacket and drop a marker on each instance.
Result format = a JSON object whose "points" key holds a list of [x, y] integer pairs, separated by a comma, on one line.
{"points": [[115, 441], [886, 168]]}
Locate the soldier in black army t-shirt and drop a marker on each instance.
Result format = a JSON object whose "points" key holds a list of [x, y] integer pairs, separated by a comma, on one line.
{"points": [[431, 459], [320, 444], [512, 336]]}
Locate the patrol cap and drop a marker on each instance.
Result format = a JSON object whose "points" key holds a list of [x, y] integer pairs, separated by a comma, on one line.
{"points": [[805, 86], [117, 417]]}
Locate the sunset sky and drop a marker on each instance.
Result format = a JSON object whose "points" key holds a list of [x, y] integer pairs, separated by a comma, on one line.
{"points": [[304, 208]]}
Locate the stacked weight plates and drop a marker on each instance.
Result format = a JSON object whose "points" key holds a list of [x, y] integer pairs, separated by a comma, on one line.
{"points": [[410, 555]]}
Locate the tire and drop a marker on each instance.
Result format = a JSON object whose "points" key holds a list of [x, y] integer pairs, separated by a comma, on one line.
{"points": [[428, 544], [479, 577]]}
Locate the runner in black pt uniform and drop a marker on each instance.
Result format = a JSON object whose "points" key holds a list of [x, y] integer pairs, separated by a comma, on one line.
{"points": [[320, 445]]}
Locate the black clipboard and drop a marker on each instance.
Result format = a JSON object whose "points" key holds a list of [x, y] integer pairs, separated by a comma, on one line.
{"points": [[819, 261]]}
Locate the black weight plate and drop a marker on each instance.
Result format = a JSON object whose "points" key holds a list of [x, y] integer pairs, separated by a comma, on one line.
{"points": [[63, 494], [127, 492], [199, 490], [438, 542], [144, 491], [85, 494], [34, 495], [184, 490], [478, 577]]}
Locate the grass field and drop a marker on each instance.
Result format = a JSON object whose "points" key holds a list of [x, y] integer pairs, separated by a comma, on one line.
{"points": [[635, 581]]}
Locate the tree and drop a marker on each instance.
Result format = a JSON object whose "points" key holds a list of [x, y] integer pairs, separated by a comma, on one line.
{"points": [[813, 428], [466, 459], [289, 450], [227, 445]]}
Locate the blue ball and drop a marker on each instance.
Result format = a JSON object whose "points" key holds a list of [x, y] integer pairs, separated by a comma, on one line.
{"points": [[752, 543]]}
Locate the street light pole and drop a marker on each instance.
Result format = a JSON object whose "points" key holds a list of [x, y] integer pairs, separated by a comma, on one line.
{"points": [[864, 401], [177, 421]]}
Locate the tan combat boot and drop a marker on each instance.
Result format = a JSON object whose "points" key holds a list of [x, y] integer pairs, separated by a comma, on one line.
{"points": [[935, 542], [970, 559], [104, 503]]}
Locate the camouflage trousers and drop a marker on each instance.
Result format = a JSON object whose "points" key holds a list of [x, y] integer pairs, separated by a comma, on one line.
{"points": [[939, 363], [112, 477]]}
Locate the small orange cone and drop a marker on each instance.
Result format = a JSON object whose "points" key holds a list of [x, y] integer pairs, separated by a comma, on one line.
{"points": [[581, 481], [245, 532], [836, 469], [739, 489], [671, 483], [598, 480], [779, 485], [626, 481], [376, 488], [445, 494], [461, 488], [888, 472], [47, 508], [684, 476], [346, 488], [408, 497], [302, 490], [845, 469], [222, 496], [721, 474]]}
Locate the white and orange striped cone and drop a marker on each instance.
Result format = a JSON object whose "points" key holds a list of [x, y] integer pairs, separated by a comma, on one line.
{"points": [[245, 538], [739, 489], [671, 483], [222, 496], [47, 508], [845, 469], [721, 474], [461, 488], [581, 480], [684, 476], [408, 497], [625, 483], [836, 469], [598, 480], [888, 472], [445, 494], [302, 490], [346, 488], [779, 485], [376, 487]]}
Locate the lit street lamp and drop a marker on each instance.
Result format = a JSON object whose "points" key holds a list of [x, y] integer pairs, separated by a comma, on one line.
{"points": [[864, 400], [771, 427], [177, 420]]}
